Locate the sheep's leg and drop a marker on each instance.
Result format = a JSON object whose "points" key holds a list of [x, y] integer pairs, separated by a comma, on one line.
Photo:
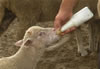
{"points": [[99, 59], [94, 34], [1, 13], [98, 7], [81, 49]]}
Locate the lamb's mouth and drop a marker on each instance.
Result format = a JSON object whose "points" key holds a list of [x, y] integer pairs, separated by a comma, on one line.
{"points": [[53, 43]]}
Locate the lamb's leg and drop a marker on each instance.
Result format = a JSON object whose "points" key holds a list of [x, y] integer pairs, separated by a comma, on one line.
{"points": [[1, 13], [91, 38], [81, 49]]}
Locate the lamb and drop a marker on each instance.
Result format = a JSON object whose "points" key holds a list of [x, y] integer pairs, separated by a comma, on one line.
{"points": [[35, 41]]}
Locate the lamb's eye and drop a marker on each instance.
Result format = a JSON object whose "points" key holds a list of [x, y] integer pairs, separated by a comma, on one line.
{"points": [[29, 32], [41, 33]]}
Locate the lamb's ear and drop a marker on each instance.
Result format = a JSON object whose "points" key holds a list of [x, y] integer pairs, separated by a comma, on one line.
{"points": [[28, 42], [19, 43]]}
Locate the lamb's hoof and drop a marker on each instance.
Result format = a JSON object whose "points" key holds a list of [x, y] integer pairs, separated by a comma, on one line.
{"points": [[83, 53]]}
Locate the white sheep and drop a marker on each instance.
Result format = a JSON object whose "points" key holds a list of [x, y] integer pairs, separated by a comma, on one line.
{"points": [[32, 47]]}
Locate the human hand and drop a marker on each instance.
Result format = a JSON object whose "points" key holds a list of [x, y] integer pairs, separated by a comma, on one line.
{"points": [[61, 19]]}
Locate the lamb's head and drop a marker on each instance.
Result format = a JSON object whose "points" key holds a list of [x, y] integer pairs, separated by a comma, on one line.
{"points": [[36, 36]]}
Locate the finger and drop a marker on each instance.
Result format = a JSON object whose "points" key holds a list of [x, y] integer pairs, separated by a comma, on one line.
{"points": [[69, 30], [73, 28], [65, 32]]}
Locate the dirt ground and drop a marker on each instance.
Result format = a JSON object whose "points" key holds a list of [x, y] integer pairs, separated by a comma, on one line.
{"points": [[65, 57]]}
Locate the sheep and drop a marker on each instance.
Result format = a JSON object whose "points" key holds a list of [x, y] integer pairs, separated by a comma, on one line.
{"points": [[35, 41], [98, 9]]}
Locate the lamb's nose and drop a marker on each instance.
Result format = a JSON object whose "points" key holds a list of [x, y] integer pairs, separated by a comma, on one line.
{"points": [[53, 29]]}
